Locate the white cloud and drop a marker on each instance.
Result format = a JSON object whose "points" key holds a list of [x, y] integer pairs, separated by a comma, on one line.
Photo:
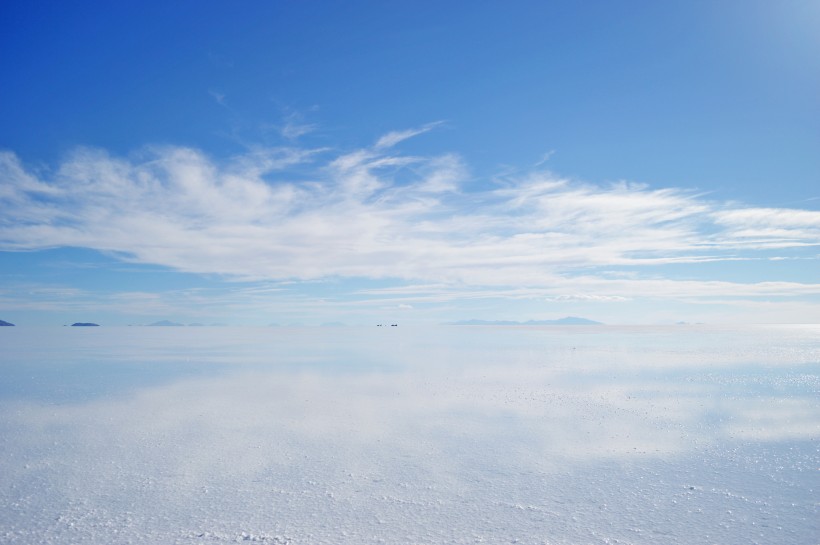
{"points": [[588, 297], [295, 126], [217, 96], [769, 217], [293, 130], [301, 214], [392, 138], [770, 227]]}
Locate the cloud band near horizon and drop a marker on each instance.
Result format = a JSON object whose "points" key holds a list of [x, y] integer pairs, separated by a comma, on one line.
{"points": [[292, 213]]}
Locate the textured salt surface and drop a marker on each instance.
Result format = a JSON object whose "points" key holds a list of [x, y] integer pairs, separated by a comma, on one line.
{"points": [[527, 435]]}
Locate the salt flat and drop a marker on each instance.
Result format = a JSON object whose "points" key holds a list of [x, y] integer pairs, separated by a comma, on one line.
{"points": [[542, 435]]}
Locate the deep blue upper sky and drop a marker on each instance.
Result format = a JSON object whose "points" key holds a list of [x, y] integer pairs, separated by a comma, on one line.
{"points": [[715, 95], [718, 99]]}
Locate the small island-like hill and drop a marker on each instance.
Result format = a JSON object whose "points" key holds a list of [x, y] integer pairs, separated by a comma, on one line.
{"points": [[84, 324], [5, 323]]}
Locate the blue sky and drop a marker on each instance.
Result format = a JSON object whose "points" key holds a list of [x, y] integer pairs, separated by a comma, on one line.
{"points": [[311, 162]]}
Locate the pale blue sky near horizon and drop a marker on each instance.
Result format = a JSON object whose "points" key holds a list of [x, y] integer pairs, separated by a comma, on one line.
{"points": [[419, 162]]}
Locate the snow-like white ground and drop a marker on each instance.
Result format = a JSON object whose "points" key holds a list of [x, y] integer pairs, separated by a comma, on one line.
{"points": [[551, 435]]}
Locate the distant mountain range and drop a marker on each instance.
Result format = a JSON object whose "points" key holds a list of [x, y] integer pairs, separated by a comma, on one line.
{"points": [[569, 320], [84, 324], [3, 322]]}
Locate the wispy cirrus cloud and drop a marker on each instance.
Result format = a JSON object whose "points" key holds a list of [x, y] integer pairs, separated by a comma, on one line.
{"points": [[394, 137], [295, 213], [770, 227]]}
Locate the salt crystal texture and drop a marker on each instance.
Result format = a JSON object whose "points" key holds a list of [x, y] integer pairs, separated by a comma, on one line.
{"points": [[538, 435]]}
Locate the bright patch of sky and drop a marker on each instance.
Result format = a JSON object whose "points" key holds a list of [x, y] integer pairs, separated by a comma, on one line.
{"points": [[630, 162]]}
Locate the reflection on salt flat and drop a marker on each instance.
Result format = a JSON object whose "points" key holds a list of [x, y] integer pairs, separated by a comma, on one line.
{"points": [[467, 434]]}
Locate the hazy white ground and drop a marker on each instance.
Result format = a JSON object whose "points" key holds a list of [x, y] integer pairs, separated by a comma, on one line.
{"points": [[388, 435]]}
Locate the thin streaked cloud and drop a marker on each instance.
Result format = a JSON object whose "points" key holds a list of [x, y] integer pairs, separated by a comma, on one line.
{"points": [[292, 214]]}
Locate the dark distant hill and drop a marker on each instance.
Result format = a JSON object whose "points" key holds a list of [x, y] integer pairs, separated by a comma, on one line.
{"points": [[166, 323], [84, 324], [4, 323], [569, 320]]}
